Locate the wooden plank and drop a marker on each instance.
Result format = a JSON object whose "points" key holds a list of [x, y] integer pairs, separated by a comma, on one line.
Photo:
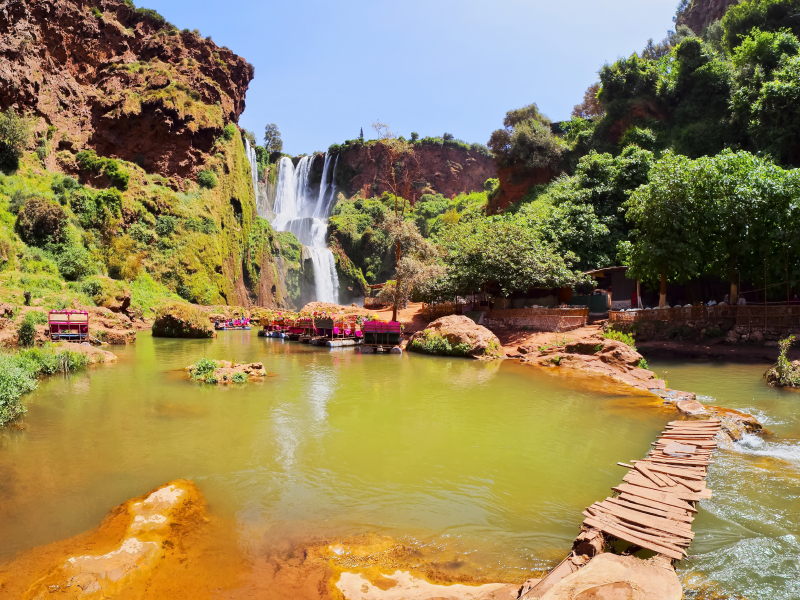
{"points": [[674, 515], [695, 486], [672, 470], [637, 529], [628, 536], [675, 491], [621, 464], [663, 497], [645, 520], [651, 476], [683, 423], [636, 479]]}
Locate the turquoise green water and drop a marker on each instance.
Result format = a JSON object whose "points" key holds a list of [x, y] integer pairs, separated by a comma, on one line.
{"points": [[493, 462], [747, 534]]}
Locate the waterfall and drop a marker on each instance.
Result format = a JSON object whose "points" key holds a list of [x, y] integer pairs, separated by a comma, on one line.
{"points": [[251, 156], [299, 210]]}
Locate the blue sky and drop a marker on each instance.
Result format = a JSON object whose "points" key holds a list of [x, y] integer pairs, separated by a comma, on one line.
{"points": [[326, 69]]}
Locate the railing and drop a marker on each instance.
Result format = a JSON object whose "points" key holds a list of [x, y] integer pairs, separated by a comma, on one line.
{"points": [[431, 312], [753, 316], [541, 319]]}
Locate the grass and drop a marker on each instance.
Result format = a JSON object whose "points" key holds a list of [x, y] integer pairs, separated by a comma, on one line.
{"points": [[620, 337], [555, 344], [19, 373]]}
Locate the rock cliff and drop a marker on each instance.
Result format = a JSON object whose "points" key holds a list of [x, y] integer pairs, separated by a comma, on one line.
{"points": [[443, 169], [121, 81], [701, 13]]}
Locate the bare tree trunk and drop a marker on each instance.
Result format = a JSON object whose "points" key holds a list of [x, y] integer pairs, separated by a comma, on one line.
{"points": [[398, 254], [662, 301]]}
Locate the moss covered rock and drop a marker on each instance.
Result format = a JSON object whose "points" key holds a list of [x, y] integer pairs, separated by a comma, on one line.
{"points": [[181, 320]]}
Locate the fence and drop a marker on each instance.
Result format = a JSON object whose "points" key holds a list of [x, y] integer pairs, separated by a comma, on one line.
{"points": [[539, 319], [750, 316], [431, 312]]}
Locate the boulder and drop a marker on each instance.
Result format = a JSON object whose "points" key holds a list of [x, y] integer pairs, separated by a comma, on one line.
{"points": [[182, 320], [613, 577], [462, 332]]}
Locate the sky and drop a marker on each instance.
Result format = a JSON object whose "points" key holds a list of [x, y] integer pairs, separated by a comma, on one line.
{"points": [[324, 70]]}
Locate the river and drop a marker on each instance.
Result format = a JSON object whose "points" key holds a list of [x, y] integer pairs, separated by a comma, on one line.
{"points": [[484, 467]]}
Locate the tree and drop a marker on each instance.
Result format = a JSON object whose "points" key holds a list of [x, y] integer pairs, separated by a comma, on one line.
{"points": [[397, 171], [361, 135], [15, 135], [504, 250], [526, 140], [447, 136], [667, 242], [414, 136], [590, 107], [272, 139], [416, 267], [41, 221]]}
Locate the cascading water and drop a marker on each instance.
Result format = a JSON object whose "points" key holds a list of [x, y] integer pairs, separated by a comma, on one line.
{"points": [[253, 158], [299, 210]]}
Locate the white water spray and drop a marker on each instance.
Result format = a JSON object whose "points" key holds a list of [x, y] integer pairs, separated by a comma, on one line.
{"points": [[305, 214], [253, 158]]}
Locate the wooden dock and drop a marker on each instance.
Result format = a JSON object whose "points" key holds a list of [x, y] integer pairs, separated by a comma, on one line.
{"points": [[655, 504]]}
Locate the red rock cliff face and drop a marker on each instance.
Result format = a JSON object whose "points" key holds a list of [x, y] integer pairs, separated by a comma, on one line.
{"points": [[446, 170], [701, 13], [126, 85]]}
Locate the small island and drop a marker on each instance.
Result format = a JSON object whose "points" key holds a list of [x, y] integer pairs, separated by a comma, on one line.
{"points": [[221, 372]]}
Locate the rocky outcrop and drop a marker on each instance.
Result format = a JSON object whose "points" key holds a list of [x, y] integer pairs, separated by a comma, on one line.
{"points": [[599, 356], [123, 554], [181, 320], [402, 585], [446, 170], [95, 355], [701, 13], [613, 577], [456, 335], [123, 82], [514, 185]]}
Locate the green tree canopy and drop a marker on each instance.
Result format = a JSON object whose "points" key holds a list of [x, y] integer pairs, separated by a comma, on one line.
{"points": [[272, 139]]}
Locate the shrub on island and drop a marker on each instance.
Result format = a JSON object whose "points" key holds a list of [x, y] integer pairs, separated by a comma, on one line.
{"points": [[224, 372]]}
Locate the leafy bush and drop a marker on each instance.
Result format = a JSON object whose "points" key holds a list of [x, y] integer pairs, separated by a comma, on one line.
{"points": [[207, 179], [788, 374], [41, 221], [611, 334], [204, 368], [89, 161], [26, 332], [239, 378], [166, 225], [437, 344], [229, 132], [643, 364], [74, 262]]}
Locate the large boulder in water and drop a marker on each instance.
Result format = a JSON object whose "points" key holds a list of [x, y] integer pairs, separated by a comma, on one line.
{"points": [[181, 320], [457, 335], [613, 577]]}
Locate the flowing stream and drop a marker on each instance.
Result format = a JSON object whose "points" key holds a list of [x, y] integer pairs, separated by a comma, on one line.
{"points": [[483, 467], [304, 210]]}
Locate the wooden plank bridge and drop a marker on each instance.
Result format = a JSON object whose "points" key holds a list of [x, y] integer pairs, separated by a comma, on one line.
{"points": [[655, 504]]}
